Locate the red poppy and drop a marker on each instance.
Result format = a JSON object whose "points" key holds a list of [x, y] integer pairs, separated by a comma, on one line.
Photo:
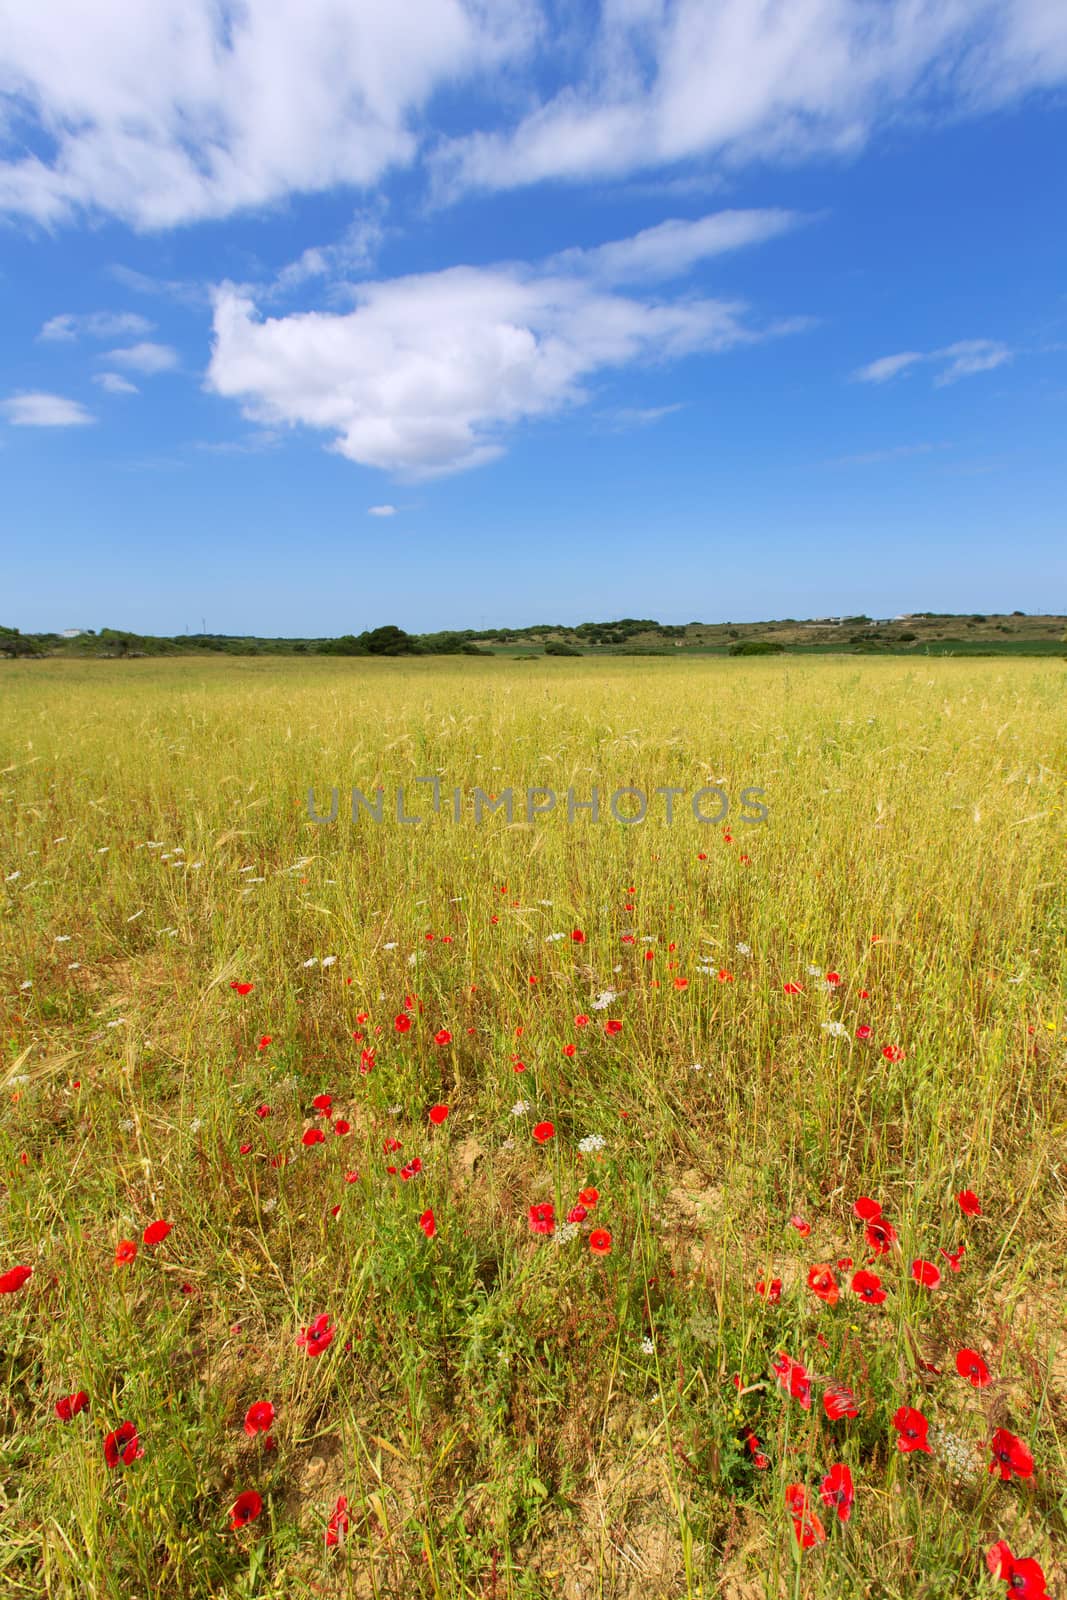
{"points": [[863, 1032], [806, 1525], [970, 1365], [772, 1292], [911, 1428], [337, 1526], [264, 1042], [543, 1131], [122, 1445], [438, 1114], [71, 1404], [866, 1209], [156, 1232], [317, 1335], [245, 1509], [968, 1203], [793, 1378], [389, 1145], [868, 1285], [402, 1023], [954, 1257], [569, 1049], [589, 1197], [259, 1418], [15, 1277], [839, 1401], [792, 988], [428, 1223], [543, 1217], [681, 983], [341, 1126], [752, 1445], [442, 1036], [724, 976], [1025, 1578], [578, 937], [926, 1273], [879, 1235], [125, 1253], [263, 1111], [833, 978], [613, 1025], [242, 988], [837, 1490], [244, 1149], [1010, 1456], [822, 1282], [581, 1020], [892, 1052], [313, 1136], [322, 1102], [600, 1242], [802, 1227]]}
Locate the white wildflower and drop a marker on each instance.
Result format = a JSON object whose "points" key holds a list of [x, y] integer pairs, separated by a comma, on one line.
{"points": [[12, 876], [836, 1029], [549, 938], [648, 1347], [329, 961], [196, 1124], [591, 1142], [27, 985], [520, 1108], [390, 946], [62, 938], [565, 1232], [126, 1124], [743, 949], [72, 966], [268, 1205], [815, 972], [604, 999], [312, 962], [698, 1066]]}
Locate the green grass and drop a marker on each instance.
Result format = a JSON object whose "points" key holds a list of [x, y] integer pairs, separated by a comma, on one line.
{"points": [[487, 1405]]}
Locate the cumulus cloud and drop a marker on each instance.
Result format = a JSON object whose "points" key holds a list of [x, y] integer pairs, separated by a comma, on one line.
{"points": [[960, 360], [381, 511], [189, 109], [68, 326], [144, 357], [755, 79], [428, 372], [114, 383], [35, 409]]}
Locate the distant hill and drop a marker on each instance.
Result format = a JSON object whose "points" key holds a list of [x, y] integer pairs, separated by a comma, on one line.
{"points": [[920, 633]]}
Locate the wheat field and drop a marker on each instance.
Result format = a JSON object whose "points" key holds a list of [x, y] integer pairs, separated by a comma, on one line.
{"points": [[520, 1187]]}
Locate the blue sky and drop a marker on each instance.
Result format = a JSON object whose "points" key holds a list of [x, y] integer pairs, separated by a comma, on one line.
{"points": [[325, 315]]}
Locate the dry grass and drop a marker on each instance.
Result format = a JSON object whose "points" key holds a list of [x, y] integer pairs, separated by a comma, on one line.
{"points": [[487, 1406]]}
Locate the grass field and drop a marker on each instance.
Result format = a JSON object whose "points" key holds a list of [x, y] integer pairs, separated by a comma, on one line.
{"points": [[599, 1408]]}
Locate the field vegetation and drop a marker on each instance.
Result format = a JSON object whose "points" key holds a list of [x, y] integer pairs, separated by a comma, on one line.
{"points": [[590, 1210]]}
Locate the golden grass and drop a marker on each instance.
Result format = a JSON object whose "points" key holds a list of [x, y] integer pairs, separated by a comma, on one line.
{"points": [[487, 1406]]}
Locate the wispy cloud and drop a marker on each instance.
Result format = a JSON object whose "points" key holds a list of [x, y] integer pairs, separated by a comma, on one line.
{"points": [[960, 360], [114, 383], [899, 452], [354, 252], [145, 357], [35, 409], [184, 291], [627, 417], [381, 511], [69, 326], [674, 247]]}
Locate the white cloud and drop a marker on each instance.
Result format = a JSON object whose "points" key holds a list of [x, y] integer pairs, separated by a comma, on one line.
{"points": [[872, 458], [353, 252], [674, 247], [962, 360], [626, 417], [145, 357], [381, 511], [887, 367], [113, 383], [428, 372], [756, 79], [182, 110], [970, 356], [95, 325], [39, 410]]}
